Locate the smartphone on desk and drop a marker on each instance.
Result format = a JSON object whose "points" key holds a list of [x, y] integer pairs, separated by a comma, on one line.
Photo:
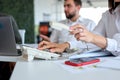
{"points": [[82, 61]]}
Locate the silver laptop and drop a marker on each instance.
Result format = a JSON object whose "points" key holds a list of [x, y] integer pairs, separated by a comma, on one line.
{"points": [[7, 37]]}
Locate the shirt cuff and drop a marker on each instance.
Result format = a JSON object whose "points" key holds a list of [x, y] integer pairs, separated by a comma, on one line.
{"points": [[111, 45], [72, 45]]}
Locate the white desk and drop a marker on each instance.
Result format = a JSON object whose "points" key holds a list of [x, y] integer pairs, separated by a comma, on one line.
{"points": [[9, 58], [48, 70]]}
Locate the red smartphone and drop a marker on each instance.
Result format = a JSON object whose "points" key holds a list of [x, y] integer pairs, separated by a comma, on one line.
{"points": [[82, 61]]}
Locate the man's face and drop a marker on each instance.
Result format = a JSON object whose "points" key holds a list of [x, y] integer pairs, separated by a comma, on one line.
{"points": [[70, 9]]}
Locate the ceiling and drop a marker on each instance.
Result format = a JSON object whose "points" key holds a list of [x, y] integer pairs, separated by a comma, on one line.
{"points": [[95, 3]]}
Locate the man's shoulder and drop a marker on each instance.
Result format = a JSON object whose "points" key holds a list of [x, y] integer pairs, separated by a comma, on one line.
{"points": [[106, 13], [106, 16], [88, 21]]}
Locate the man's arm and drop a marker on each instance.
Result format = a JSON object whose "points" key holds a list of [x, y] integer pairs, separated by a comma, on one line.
{"points": [[46, 38]]}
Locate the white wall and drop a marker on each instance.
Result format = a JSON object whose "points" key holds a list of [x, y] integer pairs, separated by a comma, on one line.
{"points": [[54, 11], [49, 8], [94, 14]]}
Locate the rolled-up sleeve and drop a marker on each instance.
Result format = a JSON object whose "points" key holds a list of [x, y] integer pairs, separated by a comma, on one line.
{"points": [[113, 45]]}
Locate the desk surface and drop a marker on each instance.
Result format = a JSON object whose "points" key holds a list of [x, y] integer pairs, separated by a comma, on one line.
{"points": [[48, 70], [9, 58]]}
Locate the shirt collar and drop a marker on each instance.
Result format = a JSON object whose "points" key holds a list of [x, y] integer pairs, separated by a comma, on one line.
{"points": [[117, 10], [80, 19]]}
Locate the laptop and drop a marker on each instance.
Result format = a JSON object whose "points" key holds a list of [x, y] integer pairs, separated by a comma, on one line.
{"points": [[7, 37]]}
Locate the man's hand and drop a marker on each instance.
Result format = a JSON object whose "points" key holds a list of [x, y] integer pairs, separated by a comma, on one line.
{"points": [[53, 47], [44, 37]]}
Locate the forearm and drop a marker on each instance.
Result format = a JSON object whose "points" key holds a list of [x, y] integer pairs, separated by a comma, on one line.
{"points": [[66, 45], [100, 41]]}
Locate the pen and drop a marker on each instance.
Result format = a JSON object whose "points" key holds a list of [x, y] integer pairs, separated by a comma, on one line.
{"points": [[87, 46]]}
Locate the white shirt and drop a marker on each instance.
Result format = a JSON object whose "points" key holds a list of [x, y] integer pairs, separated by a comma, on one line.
{"points": [[65, 36], [109, 27]]}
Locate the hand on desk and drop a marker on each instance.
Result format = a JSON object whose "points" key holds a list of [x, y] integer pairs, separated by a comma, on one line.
{"points": [[53, 47]]}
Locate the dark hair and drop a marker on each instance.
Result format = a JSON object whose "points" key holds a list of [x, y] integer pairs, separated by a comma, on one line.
{"points": [[112, 5], [77, 2]]}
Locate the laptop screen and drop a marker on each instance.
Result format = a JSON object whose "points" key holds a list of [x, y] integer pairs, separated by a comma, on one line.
{"points": [[7, 37]]}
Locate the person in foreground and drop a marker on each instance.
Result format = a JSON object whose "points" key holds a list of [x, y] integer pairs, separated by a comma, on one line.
{"points": [[107, 33]]}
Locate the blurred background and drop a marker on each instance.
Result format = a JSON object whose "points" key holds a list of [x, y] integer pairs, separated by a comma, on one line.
{"points": [[34, 15]]}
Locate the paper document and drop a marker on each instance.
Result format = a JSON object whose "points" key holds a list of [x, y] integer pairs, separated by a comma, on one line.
{"points": [[75, 70], [97, 53], [110, 63]]}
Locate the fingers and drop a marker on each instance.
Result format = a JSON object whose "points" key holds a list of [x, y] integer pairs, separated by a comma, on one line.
{"points": [[80, 32], [48, 45], [83, 38], [53, 47], [79, 35], [58, 50], [43, 44], [76, 29]]}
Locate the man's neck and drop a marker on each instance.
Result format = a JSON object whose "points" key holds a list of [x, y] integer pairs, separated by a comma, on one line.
{"points": [[75, 18]]}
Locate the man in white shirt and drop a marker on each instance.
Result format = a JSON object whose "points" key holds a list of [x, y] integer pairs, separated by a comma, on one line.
{"points": [[72, 9]]}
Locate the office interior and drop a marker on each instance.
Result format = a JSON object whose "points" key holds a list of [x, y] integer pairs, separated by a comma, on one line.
{"points": [[54, 11], [35, 16], [30, 13]]}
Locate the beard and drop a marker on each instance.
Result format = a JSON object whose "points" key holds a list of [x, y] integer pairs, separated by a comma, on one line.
{"points": [[70, 16]]}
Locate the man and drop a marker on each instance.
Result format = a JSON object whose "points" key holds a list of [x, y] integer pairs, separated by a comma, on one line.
{"points": [[71, 9]]}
